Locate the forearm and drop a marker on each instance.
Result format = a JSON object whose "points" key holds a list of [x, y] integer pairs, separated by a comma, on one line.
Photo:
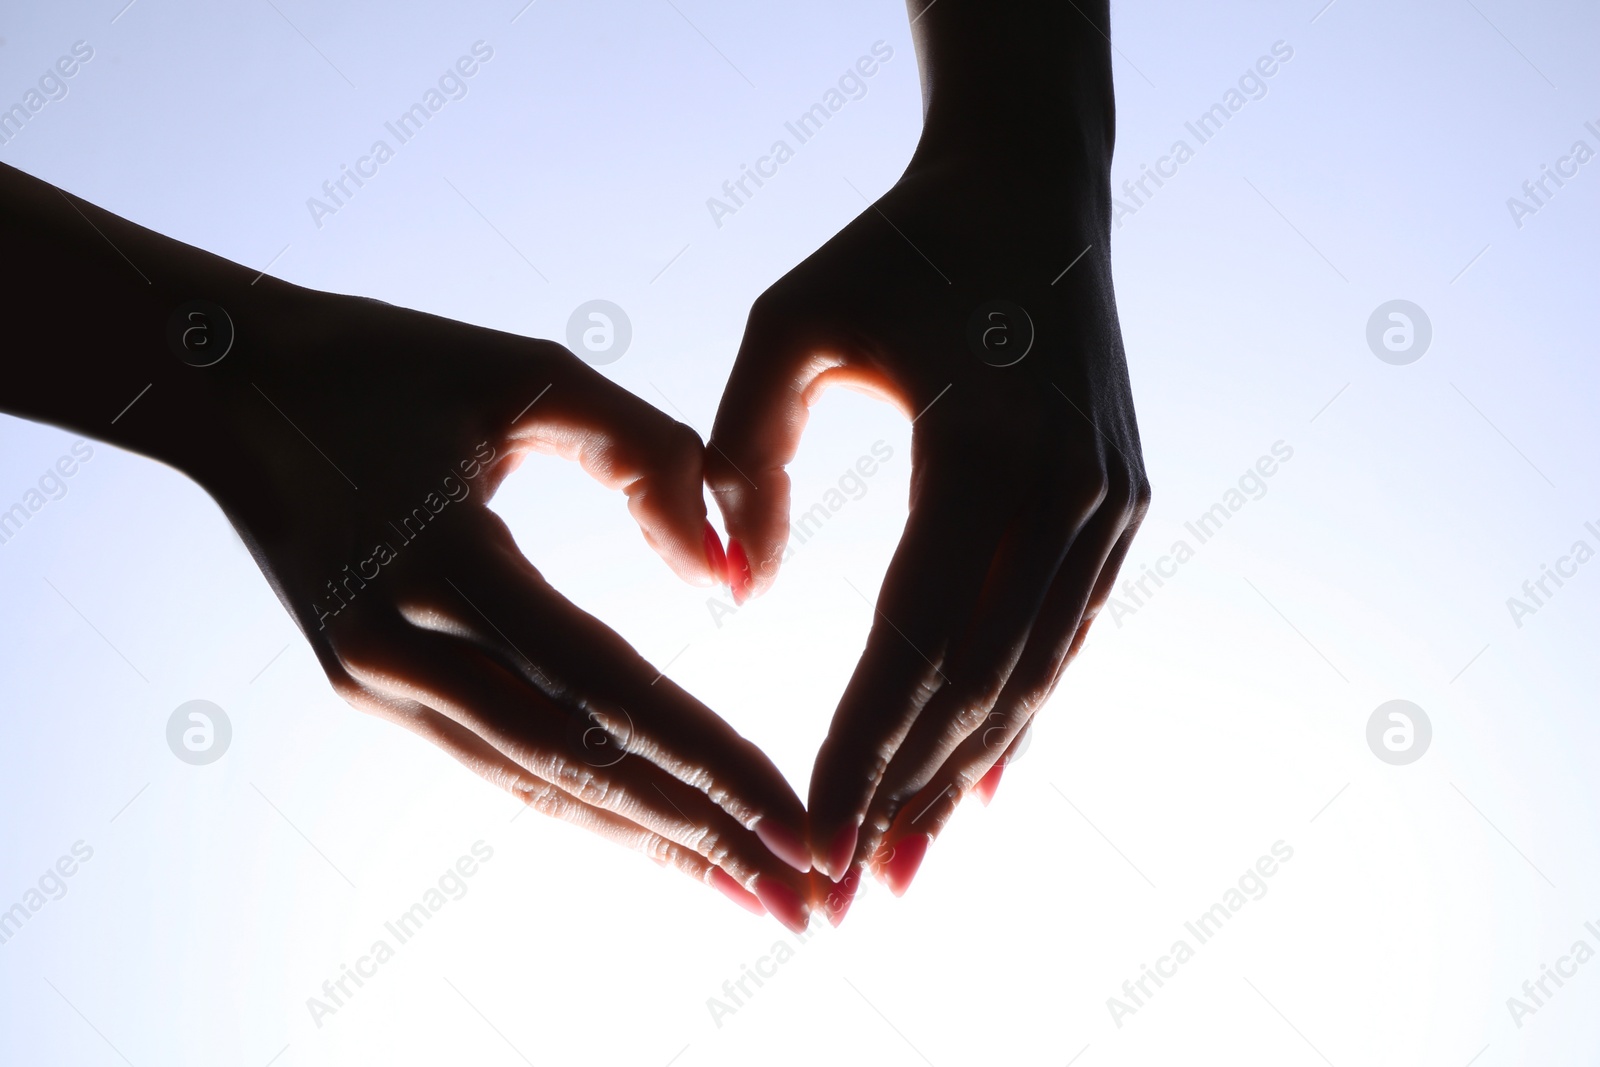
{"points": [[89, 301], [1027, 81]]}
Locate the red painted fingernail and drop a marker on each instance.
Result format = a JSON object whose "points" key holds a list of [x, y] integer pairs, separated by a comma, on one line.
{"points": [[738, 571], [736, 892], [717, 558], [903, 863], [842, 896], [989, 783], [842, 851], [784, 903], [784, 843]]}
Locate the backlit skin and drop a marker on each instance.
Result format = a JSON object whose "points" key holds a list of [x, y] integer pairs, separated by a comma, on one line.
{"points": [[354, 446], [1028, 483]]}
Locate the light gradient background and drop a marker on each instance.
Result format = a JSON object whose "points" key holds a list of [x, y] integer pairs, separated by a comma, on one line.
{"points": [[1226, 714]]}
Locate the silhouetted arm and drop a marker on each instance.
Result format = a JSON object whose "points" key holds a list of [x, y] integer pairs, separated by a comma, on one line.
{"points": [[355, 446]]}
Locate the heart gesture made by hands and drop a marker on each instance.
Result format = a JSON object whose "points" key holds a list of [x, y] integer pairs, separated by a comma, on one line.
{"points": [[975, 298]]}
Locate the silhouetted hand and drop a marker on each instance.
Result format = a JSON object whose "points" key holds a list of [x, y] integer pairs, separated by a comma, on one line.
{"points": [[355, 446], [976, 298], [422, 609]]}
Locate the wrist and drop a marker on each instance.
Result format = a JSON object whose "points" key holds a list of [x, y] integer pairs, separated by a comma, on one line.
{"points": [[1023, 89], [1062, 143], [116, 358], [204, 338], [1063, 185]]}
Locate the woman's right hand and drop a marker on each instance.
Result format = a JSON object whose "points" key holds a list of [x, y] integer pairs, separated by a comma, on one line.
{"points": [[1027, 481]]}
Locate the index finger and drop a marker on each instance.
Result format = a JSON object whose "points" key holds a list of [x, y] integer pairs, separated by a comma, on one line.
{"points": [[585, 666]]}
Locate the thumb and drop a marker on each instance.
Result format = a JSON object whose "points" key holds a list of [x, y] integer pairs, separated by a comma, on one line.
{"points": [[626, 443], [757, 432]]}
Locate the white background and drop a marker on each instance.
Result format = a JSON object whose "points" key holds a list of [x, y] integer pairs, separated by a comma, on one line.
{"points": [[1215, 720]]}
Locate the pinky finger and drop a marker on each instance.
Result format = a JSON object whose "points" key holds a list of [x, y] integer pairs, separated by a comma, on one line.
{"points": [[974, 767], [971, 769], [486, 761], [911, 834]]}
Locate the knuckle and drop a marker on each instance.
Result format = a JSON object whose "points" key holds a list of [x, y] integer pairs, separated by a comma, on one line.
{"points": [[1112, 492], [1090, 489], [680, 447], [1141, 498], [593, 790], [773, 305], [659, 849], [545, 798], [351, 691], [1120, 500], [878, 820], [727, 479], [714, 847], [1026, 705], [581, 784], [1141, 490], [369, 657], [972, 715], [962, 781], [1000, 726]]}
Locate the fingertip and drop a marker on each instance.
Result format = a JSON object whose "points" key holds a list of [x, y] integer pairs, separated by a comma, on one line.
{"points": [[783, 903], [662, 475], [724, 883], [985, 789], [784, 843], [904, 860], [687, 556], [737, 566], [841, 850], [755, 513], [842, 896]]}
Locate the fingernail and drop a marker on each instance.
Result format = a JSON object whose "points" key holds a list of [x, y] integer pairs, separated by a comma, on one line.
{"points": [[738, 571], [842, 851], [783, 903], [717, 558], [902, 865], [989, 783], [736, 892], [843, 895], [784, 843]]}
